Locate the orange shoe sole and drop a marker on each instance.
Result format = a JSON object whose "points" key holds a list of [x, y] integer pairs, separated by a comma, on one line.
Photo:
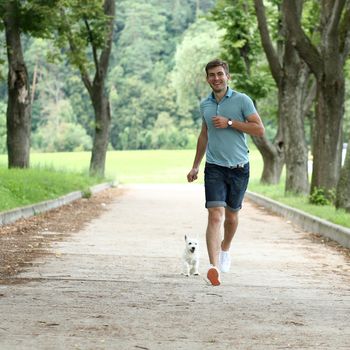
{"points": [[213, 276]]}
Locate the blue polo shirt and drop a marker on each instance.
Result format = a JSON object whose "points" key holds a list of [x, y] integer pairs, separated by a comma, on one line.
{"points": [[227, 147]]}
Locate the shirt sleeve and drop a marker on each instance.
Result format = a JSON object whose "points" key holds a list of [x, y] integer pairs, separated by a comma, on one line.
{"points": [[248, 107], [201, 111]]}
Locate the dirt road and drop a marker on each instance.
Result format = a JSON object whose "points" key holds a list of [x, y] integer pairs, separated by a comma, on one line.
{"points": [[117, 285]]}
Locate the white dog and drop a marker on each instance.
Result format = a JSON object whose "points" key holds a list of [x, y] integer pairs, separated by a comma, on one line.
{"points": [[191, 257]]}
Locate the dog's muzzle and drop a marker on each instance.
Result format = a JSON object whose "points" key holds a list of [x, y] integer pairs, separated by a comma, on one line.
{"points": [[192, 249]]}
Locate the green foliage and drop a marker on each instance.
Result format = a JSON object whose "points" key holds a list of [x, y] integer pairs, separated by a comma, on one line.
{"points": [[61, 137], [320, 196], [143, 39], [79, 27], [86, 193], [310, 17], [241, 47], [38, 17], [166, 135], [200, 44], [140, 81]]}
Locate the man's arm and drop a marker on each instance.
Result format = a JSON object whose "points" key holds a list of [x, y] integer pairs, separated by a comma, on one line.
{"points": [[253, 126], [201, 147]]}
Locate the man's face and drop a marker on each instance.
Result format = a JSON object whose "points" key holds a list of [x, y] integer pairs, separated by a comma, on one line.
{"points": [[217, 79]]}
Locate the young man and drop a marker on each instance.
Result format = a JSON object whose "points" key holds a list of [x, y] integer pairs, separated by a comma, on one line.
{"points": [[227, 116]]}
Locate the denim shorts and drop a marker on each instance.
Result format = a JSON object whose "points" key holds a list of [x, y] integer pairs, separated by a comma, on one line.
{"points": [[225, 187]]}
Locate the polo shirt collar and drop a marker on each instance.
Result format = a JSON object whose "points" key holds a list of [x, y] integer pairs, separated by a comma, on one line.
{"points": [[229, 93]]}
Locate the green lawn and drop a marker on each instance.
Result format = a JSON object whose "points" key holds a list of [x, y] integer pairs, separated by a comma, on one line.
{"points": [[125, 167], [156, 166], [69, 171]]}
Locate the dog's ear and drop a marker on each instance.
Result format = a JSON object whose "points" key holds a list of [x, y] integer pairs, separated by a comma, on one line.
{"points": [[185, 238]]}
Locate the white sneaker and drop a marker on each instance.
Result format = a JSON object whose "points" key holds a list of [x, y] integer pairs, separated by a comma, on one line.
{"points": [[224, 261]]}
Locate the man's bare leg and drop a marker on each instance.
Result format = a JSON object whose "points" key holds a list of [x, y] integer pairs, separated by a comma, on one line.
{"points": [[213, 237], [230, 228]]}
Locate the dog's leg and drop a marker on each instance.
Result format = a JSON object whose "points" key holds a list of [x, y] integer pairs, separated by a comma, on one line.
{"points": [[186, 269], [195, 268]]}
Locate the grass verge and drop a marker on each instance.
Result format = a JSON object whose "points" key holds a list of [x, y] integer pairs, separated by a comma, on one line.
{"points": [[20, 187], [277, 193]]}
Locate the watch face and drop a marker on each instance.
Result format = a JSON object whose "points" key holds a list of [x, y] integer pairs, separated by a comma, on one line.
{"points": [[229, 122]]}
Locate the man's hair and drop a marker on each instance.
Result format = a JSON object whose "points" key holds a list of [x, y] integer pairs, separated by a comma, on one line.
{"points": [[217, 63]]}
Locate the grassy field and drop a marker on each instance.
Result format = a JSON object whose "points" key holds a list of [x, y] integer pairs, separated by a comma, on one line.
{"points": [[125, 167], [128, 167]]}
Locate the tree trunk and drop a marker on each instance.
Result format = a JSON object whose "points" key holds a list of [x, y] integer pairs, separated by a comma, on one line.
{"points": [[293, 85], [18, 106], [102, 127], [99, 97], [327, 133], [290, 75], [343, 188], [272, 154], [273, 158]]}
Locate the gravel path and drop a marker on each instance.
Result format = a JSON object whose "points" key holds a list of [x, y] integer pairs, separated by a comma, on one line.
{"points": [[116, 284]]}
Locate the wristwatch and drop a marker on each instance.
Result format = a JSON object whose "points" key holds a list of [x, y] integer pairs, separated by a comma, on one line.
{"points": [[229, 123]]}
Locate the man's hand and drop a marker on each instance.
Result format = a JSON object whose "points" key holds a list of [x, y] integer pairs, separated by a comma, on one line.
{"points": [[220, 122], [192, 175]]}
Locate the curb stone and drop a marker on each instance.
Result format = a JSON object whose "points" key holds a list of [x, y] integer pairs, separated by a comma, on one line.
{"points": [[8, 217], [306, 221]]}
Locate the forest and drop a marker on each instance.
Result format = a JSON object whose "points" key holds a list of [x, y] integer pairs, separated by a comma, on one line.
{"points": [[129, 74]]}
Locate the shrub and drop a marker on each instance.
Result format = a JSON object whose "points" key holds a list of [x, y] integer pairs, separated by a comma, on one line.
{"points": [[321, 196]]}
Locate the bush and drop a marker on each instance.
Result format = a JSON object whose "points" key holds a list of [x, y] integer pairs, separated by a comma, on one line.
{"points": [[66, 137], [320, 196]]}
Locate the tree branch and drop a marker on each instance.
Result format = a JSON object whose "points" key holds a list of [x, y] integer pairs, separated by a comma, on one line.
{"points": [[306, 49], [310, 98], [345, 34], [109, 10], [332, 28], [270, 51], [94, 50], [84, 74]]}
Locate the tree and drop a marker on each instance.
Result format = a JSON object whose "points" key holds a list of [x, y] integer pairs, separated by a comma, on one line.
{"points": [[199, 45], [141, 89], [18, 115], [326, 61], [243, 44], [291, 75], [35, 18], [91, 24]]}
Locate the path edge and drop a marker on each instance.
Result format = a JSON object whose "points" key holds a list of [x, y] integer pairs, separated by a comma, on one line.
{"points": [[306, 221], [10, 216]]}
